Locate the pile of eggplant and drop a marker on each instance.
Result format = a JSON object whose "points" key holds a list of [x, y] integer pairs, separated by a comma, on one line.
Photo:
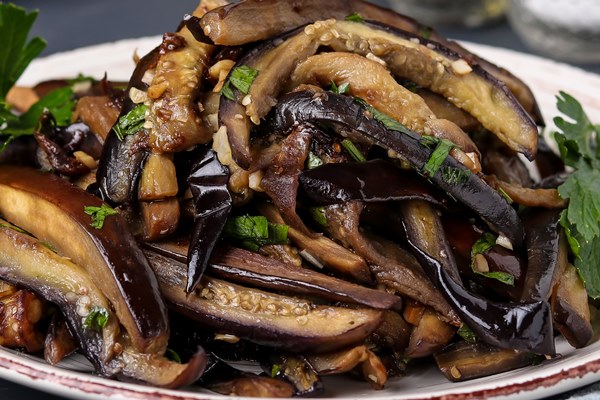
{"points": [[322, 190]]}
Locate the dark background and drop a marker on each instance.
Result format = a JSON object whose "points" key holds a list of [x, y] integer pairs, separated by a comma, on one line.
{"points": [[69, 24]]}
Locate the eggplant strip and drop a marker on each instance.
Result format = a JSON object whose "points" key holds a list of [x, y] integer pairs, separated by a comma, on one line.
{"points": [[26, 261], [547, 198], [173, 118], [373, 181], [439, 69], [547, 254], [519, 326], [328, 108], [234, 25], [424, 228], [369, 80], [280, 180], [242, 266], [264, 318], [53, 209], [212, 205], [391, 267], [327, 252]]}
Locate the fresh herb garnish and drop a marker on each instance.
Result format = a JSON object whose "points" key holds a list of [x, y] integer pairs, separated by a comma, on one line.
{"points": [[275, 370], [384, 119], [99, 214], [14, 228], [578, 140], [241, 78], [482, 246], [318, 215], [132, 122], [313, 161], [354, 17], [425, 32], [467, 334], [342, 89], [172, 355], [505, 195], [438, 156], [96, 319], [253, 232], [354, 152], [455, 176], [16, 53]]}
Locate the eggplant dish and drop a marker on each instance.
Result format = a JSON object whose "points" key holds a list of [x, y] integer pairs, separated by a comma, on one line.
{"points": [[331, 190]]}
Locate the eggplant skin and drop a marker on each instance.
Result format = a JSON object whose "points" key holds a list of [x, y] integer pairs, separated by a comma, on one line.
{"points": [[52, 209], [265, 318], [328, 108]]}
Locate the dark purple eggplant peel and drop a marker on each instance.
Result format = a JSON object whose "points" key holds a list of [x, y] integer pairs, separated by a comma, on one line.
{"points": [[329, 108]]}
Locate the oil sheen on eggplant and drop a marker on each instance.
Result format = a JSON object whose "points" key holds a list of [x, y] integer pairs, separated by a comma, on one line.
{"points": [[328, 108]]}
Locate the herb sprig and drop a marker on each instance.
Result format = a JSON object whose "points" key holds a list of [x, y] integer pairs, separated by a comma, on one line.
{"points": [[578, 141]]}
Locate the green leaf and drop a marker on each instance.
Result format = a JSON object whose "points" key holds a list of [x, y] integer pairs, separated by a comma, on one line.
{"points": [[275, 370], [386, 120], [467, 334], [354, 152], [503, 277], [579, 129], [132, 122], [588, 265], [99, 214], [582, 188], [313, 161], [455, 175], [15, 52], [342, 89], [438, 157], [354, 17], [318, 215], [241, 78], [253, 232], [483, 244], [172, 355], [96, 319]]}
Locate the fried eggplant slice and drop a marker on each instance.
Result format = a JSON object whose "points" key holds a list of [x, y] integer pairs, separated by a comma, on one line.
{"points": [[265, 318], [53, 209]]}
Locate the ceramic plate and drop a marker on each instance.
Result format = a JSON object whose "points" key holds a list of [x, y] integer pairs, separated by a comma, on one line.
{"points": [[573, 369]]}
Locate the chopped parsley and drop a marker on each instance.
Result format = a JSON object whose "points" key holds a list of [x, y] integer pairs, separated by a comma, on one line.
{"points": [[354, 17], [253, 232], [131, 123], [318, 215], [96, 319], [240, 78], [455, 175], [578, 141], [313, 161], [342, 89], [172, 355], [467, 334], [482, 246], [275, 370], [438, 156], [385, 120], [354, 152], [99, 214]]}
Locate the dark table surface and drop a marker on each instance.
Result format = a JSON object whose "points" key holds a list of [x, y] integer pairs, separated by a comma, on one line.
{"points": [[69, 24]]}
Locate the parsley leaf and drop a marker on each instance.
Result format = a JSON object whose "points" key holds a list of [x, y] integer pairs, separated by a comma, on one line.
{"points": [[99, 214], [455, 175], [578, 141], [172, 355], [387, 121], [132, 122], [16, 53], [354, 17], [342, 89], [354, 152], [253, 232], [241, 78], [313, 161], [482, 246], [96, 319], [467, 334], [438, 156]]}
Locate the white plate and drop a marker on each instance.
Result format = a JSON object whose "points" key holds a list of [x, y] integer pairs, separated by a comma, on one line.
{"points": [[574, 369]]}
